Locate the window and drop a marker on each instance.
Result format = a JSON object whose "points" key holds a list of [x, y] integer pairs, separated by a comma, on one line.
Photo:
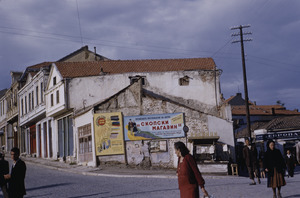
{"points": [[184, 81], [37, 95], [42, 93], [29, 101], [51, 99], [25, 104], [85, 139], [32, 99], [22, 107], [57, 97], [54, 81], [134, 79]]}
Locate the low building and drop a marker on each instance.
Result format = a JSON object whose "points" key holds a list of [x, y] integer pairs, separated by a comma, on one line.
{"points": [[285, 131]]}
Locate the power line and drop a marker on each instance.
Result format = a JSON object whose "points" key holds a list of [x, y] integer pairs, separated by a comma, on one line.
{"points": [[79, 23]]}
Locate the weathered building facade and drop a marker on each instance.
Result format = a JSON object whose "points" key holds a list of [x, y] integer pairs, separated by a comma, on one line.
{"points": [[193, 91]]}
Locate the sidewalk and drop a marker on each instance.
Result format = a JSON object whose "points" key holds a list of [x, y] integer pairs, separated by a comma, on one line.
{"points": [[109, 170]]}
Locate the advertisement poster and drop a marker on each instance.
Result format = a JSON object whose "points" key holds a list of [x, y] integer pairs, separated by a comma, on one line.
{"points": [[108, 133], [159, 126]]}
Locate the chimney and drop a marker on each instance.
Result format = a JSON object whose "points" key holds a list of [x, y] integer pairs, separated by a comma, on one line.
{"points": [[273, 111], [95, 53]]}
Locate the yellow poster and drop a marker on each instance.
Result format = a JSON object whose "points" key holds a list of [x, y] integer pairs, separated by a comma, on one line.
{"points": [[109, 133]]}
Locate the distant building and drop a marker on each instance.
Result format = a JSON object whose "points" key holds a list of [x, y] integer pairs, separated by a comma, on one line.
{"points": [[285, 131]]}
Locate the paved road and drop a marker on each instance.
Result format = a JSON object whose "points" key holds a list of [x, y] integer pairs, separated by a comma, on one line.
{"points": [[43, 182]]}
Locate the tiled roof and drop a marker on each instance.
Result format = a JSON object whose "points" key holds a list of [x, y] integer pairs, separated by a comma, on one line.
{"points": [[244, 132], [283, 123], [33, 70], [79, 69], [263, 110]]}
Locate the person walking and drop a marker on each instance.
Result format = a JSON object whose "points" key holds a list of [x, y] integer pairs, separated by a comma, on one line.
{"points": [[261, 165], [189, 176], [16, 184], [4, 169], [290, 162], [250, 156], [275, 167]]}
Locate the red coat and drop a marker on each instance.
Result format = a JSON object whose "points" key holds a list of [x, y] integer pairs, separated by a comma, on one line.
{"points": [[189, 178]]}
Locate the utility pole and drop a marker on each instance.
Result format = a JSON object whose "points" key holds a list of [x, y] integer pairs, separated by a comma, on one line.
{"points": [[244, 71]]}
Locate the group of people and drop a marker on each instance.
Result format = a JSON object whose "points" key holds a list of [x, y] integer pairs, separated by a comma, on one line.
{"points": [[14, 179], [272, 163]]}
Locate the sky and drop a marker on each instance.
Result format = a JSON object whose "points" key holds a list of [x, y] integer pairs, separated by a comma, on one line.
{"points": [[35, 31]]}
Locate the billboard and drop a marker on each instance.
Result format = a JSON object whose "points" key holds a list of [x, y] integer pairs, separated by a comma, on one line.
{"points": [[108, 133], [158, 126]]}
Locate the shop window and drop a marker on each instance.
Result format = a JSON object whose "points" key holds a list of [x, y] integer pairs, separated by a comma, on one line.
{"points": [[85, 139]]}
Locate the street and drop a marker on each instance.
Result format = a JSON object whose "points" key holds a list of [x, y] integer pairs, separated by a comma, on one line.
{"points": [[43, 182]]}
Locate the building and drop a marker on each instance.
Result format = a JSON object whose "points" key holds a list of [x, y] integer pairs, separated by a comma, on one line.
{"points": [[187, 85], [33, 124], [2, 118], [285, 131]]}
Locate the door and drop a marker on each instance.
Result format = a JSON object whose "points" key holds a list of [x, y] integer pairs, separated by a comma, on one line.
{"points": [[32, 139]]}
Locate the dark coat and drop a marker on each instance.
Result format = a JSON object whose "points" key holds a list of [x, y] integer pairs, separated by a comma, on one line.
{"points": [[290, 161], [16, 184], [274, 159], [250, 156], [4, 169]]}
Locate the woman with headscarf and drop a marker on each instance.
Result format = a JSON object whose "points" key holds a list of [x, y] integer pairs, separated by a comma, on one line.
{"points": [[189, 176], [275, 167]]}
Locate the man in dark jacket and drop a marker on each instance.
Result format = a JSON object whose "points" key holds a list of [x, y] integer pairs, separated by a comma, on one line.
{"points": [[290, 163], [4, 169], [16, 186], [250, 156]]}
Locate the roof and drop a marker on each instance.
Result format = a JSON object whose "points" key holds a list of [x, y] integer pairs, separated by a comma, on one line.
{"points": [[263, 110], [244, 132], [283, 123], [2, 92], [34, 69], [237, 100], [84, 48], [80, 69]]}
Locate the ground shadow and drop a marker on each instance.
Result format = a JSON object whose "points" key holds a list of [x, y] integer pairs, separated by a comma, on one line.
{"points": [[143, 192], [292, 196], [47, 186], [90, 195]]}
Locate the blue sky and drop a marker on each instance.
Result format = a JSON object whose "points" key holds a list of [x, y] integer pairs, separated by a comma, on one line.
{"points": [[34, 31]]}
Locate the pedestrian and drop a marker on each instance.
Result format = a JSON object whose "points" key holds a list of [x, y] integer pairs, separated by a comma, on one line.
{"points": [[290, 163], [250, 156], [16, 184], [261, 165], [4, 169], [275, 167], [189, 176]]}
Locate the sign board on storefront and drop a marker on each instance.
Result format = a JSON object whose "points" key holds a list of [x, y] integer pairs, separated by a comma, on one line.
{"points": [[158, 126], [109, 133], [279, 135]]}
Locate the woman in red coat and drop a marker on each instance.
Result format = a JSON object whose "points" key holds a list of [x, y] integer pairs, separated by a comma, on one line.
{"points": [[189, 176]]}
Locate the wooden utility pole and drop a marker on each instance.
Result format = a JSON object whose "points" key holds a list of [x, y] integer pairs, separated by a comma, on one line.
{"points": [[244, 72]]}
